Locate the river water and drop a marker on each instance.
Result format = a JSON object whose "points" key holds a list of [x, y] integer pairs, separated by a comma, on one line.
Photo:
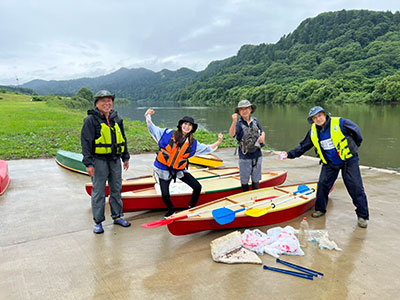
{"points": [[286, 125]]}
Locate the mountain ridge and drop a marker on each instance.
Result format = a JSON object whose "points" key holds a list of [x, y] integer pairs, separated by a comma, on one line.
{"points": [[347, 55]]}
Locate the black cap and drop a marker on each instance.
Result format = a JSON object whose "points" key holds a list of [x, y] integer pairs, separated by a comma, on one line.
{"points": [[190, 120]]}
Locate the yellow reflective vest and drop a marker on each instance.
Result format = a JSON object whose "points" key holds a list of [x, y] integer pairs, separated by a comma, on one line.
{"points": [[339, 140], [110, 138]]}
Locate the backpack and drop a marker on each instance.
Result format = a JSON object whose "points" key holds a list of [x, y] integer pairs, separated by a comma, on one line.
{"points": [[248, 143]]}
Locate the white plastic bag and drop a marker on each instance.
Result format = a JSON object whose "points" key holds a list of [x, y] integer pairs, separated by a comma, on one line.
{"points": [[277, 241], [322, 238]]}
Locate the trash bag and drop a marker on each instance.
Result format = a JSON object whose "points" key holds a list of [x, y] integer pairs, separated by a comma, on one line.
{"points": [[277, 241], [321, 237]]}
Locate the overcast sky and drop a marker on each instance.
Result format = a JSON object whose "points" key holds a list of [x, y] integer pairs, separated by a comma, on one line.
{"points": [[68, 39]]}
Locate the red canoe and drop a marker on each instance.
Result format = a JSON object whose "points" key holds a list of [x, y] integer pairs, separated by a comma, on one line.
{"points": [[147, 181], [4, 177], [288, 210], [212, 189]]}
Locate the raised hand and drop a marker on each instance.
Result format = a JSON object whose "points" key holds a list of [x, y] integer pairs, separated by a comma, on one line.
{"points": [[150, 111], [235, 117]]}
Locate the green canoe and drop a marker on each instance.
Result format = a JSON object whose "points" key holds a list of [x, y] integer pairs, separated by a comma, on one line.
{"points": [[71, 161]]}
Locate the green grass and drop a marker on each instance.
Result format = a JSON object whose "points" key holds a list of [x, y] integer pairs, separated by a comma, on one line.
{"points": [[38, 129]]}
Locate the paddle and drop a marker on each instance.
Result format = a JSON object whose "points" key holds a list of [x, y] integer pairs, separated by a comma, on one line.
{"points": [[224, 215], [300, 268], [167, 221], [298, 274], [159, 223], [258, 212]]}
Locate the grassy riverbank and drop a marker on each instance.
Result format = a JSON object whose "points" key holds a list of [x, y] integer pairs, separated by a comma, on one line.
{"points": [[38, 129]]}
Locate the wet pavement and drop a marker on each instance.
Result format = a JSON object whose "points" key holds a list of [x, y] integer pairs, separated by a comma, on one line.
{"points": [[48, 249]]}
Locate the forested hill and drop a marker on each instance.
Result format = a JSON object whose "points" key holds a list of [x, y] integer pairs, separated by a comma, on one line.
{"points": [[15, 89], [344, 56], [135, 84]]}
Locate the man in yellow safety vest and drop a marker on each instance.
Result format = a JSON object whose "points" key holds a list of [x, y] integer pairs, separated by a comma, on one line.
{"points": [[104, 145], [336, 141]]}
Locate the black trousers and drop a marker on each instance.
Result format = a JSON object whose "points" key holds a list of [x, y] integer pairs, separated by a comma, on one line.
{"points": [[190, 181], [352, 179]]}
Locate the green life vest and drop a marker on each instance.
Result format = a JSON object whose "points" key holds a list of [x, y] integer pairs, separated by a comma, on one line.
{"points": [[110, 139], [339, 140]]}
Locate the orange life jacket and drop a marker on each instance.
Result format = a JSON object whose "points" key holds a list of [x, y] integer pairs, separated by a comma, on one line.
{"points": [[171, 155]]}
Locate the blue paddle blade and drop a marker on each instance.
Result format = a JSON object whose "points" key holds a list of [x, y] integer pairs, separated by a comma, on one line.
{"points": [[224, 215], [302, 188]]}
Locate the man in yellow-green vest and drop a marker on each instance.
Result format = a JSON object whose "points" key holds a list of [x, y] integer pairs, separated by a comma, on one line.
{"points": [[336, 141], [104, 145]]}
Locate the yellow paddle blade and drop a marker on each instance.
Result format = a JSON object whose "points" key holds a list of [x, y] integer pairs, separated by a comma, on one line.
{"points": [[258, 212]]}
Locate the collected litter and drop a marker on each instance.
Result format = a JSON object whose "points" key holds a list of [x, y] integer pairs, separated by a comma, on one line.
{"points": [[229, 249], [303, 233], [321, 237], [277, 241]]}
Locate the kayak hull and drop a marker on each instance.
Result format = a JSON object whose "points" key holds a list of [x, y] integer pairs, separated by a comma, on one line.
{"points": [[71, 161], [207, 160], [281, 213], [180, 228], [148, 199], [148, 181], [4, 176]]}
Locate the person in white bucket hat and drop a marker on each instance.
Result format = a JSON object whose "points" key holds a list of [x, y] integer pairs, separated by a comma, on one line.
{"points": [[250, 136]]}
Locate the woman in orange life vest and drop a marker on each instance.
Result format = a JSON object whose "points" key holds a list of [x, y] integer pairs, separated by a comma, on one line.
{"points": [[176, 146]]}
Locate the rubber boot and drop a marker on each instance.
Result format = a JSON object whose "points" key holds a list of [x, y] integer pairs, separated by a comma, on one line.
{"points": [[245, 187], [255, 185]]}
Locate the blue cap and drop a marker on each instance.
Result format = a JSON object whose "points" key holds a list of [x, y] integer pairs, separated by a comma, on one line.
{"points": [[314, 111]]}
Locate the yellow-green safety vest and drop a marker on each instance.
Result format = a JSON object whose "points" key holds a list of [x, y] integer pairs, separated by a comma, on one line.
{"points": [[338, 139], [104, 142]]}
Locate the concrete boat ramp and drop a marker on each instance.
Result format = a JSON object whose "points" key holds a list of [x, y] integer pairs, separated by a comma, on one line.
{"points": [[48, 249]]}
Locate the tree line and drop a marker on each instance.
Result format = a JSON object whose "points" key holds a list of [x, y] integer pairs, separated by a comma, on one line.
{"points": [[344, 56]]}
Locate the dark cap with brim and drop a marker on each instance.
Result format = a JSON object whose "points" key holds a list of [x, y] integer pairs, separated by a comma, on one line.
{"points": [[103, 94], [313, 111], [190, 120]]}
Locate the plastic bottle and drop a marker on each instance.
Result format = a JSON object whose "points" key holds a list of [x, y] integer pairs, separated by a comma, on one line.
{"points": [[303, 233]]}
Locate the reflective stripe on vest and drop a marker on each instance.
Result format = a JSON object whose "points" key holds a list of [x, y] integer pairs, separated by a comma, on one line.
{"points": [[104, 144], [338, 139], [173, 156]]}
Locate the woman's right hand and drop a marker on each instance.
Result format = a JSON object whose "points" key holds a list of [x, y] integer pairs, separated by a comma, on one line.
{"points": [[150, 111]]}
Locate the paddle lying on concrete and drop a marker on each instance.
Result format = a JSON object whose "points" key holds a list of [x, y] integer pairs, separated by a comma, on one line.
{"points": [[300, 268], [258, 212], [159, 223], [224, 215], [298, 274]]}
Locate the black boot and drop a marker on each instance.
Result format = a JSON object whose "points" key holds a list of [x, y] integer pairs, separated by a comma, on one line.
{"points": [[255, 185], [170, 212], [245, 187]]}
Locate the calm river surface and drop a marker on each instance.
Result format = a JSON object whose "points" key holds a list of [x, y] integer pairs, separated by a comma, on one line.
{"points": [[286, 125]]}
